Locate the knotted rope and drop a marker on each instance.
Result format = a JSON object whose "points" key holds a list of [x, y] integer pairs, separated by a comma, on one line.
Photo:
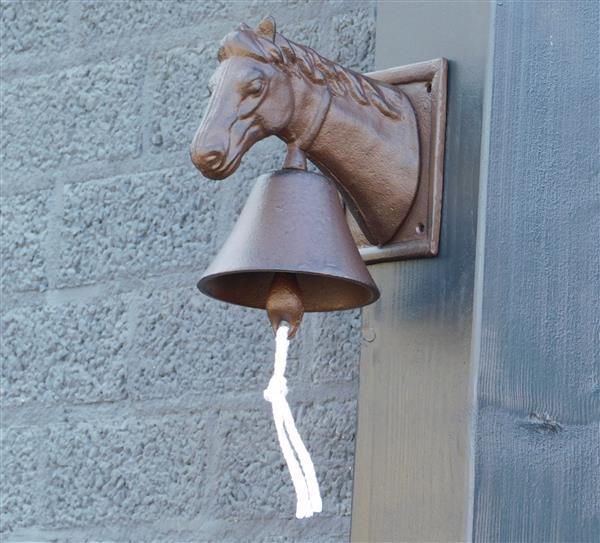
{"points": [[296, 456]]}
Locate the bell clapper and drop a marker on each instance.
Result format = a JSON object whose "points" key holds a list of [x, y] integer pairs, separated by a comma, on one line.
{"points": [[284, 303]]}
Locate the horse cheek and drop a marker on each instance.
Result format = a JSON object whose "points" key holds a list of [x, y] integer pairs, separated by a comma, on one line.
{"points": [[277, 113]]}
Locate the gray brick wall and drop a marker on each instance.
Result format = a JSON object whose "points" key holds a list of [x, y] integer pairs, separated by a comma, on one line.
{"points": [[132, 407]]}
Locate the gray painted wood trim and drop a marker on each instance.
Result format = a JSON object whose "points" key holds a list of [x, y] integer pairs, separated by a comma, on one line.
{"points": [[537, 465], [413, 457], [534, 464]]}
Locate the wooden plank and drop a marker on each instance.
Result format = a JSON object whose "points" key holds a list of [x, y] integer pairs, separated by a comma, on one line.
{"points": [[537, 475], [412, 476]]}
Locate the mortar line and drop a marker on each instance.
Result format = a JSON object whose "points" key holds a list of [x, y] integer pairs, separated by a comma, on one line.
{"points": [[147, 93], [98, 170], [52, 241], [209, 526], [213, 446], [73, 16], [36, 414]]}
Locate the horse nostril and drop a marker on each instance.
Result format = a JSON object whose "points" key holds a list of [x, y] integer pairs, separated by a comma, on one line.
{"points": [[208, 157], [214, 159]]}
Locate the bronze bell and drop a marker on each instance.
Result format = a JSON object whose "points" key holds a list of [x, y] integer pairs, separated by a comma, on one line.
{"points": [[291, 251]]}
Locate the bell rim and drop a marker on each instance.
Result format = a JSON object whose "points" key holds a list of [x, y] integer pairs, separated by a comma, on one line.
{"points": [[372, 289]]}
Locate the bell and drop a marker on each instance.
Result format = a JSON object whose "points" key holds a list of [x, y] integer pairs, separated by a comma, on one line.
{"points": [[291, 251]]}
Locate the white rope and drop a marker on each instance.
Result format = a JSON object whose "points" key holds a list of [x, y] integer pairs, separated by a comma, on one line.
{"points": [[303, 473]]}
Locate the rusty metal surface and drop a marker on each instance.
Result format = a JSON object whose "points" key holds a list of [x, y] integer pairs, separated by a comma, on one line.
{"points": [[360, 132], [293, 222], [425, 83], [284, 302]]}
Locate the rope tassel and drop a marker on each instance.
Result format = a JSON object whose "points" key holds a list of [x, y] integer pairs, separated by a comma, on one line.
{"points": [[296, 456]]}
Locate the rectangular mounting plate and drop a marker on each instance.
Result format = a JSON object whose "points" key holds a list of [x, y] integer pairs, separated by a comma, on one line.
{"points": [[425, 84]]}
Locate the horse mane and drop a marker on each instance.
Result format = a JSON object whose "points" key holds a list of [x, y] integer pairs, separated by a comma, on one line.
{"points": [[302, 61]]}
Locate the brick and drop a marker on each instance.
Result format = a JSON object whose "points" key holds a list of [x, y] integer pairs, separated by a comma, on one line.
{"points": [[73, 116], [329, 430], [330, 427], [102, 20], [33, 27], [176, 325], [253, 478], [186, 342], [132, 226], [96, 471], [24, 232], [180, 95], [19, 478], [330, 348], [69, 353], [291, 15], [353, 39], [126, 471], [105, 20]]}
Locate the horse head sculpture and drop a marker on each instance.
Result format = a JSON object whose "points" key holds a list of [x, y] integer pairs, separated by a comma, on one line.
{"points": [[359, 132]]}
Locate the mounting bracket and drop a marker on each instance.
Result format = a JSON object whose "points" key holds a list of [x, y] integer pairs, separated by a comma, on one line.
{"points": [[425, 84]]}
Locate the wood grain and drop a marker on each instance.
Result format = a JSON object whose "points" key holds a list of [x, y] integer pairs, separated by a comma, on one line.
{"points": [[537, 467]]}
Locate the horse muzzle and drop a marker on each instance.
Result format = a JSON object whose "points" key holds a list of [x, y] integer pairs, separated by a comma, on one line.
{"points": [[218, 155], [209, 159]]}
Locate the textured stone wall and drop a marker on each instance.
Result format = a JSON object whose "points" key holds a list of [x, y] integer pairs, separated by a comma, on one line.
{"points": [[132, 406]]}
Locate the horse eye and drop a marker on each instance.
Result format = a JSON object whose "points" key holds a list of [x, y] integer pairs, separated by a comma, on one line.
{"points": [[255, 87]]}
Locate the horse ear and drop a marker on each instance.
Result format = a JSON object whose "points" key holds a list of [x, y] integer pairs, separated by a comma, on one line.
{"points": [[266, 28]]}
